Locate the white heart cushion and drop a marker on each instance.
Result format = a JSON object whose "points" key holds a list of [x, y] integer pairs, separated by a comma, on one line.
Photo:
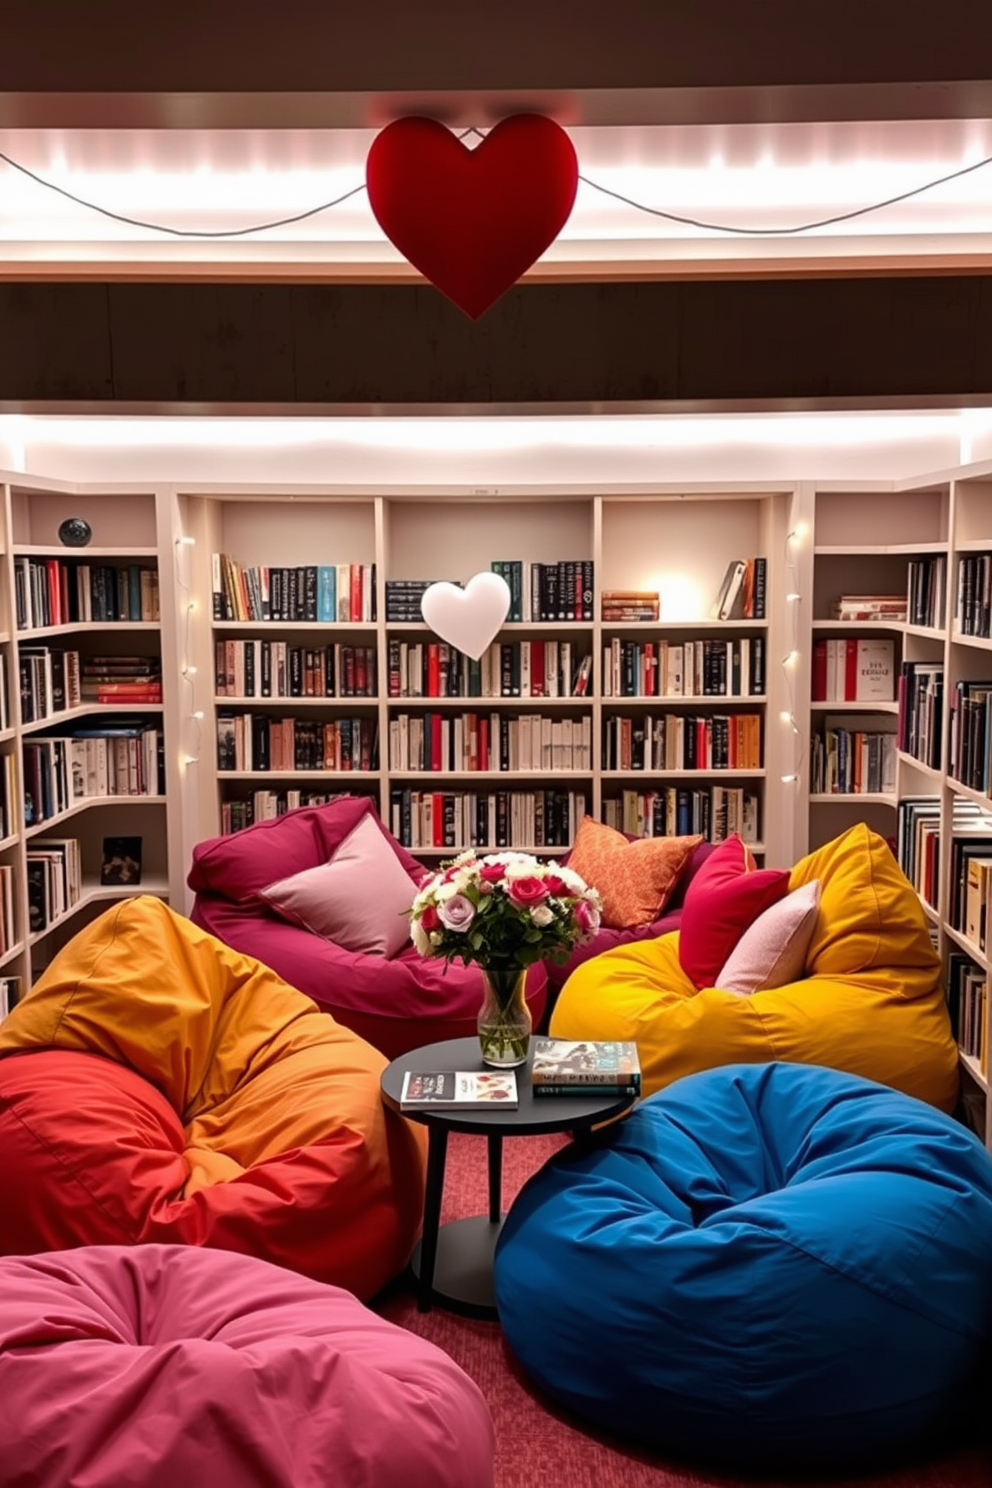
{"points": [[772, 951], [358, 898]]}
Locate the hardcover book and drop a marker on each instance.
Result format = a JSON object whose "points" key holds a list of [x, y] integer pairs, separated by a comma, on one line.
{"points": [[458, 1090], [597, 1065]]}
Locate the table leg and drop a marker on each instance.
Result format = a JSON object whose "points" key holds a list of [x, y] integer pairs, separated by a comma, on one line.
{"points": [[495, 1177], [437, 1151]]}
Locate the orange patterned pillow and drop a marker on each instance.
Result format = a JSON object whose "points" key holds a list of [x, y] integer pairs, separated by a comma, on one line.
{"points": [[635, 879]]}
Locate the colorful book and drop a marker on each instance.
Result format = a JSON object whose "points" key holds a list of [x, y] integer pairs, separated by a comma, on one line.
{"points": [[459, 1090], [571, 1066]]}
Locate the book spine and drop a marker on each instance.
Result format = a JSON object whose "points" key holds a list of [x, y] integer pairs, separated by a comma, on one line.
{"points": [[568, 1088]]}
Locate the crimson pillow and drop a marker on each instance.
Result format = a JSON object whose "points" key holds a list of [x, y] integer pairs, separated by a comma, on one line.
{"points": [[723, 900]]}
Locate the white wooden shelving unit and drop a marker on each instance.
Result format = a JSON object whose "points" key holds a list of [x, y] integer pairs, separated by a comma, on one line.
{"points": [[819, 539]]}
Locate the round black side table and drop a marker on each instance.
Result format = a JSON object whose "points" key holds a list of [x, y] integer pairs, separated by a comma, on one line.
{"points": [[453, 1263]]}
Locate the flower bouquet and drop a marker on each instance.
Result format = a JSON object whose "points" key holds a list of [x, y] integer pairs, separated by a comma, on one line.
{"points": [[505, 912]]}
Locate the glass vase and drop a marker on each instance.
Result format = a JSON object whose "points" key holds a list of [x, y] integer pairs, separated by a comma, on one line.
{"points": [[504, 1018]]}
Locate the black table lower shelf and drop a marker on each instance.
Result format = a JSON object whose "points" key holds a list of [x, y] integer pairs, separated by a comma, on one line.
{"points": [[463, 1271]]}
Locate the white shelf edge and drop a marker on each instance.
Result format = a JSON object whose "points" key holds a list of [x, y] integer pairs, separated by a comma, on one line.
{"points": [[37, 829], [59, 550], [818, 705], [879, 550], [974, 1069], [866, 798]]}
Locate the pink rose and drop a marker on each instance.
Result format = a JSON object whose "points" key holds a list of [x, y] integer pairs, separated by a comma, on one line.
{"points": [[491, 872], [430, 920], [527, 891], [457, 913], [555, 885], [587, 918]]}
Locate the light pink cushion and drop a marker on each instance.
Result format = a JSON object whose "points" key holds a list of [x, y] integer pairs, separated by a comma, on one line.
{"points": [[170, 1366], [358, 899], [772, 951]]}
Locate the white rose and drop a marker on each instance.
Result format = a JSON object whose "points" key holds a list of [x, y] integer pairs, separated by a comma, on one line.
{"points": [[421, 939], [541, 915]]}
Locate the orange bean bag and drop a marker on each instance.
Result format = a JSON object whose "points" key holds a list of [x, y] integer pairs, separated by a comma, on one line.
{"points": [[870, 1001], [156, 1085]]}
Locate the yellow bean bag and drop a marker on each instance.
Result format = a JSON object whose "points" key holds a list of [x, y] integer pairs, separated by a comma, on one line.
{"points": [[157, 1086], [870, 1001]]}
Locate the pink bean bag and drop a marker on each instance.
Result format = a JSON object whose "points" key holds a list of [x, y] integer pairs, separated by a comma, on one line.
{"points": [[167, 1367]]}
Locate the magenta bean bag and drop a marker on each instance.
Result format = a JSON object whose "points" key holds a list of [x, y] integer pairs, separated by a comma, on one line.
{"points": [[163, 1366], [395, 1003]]}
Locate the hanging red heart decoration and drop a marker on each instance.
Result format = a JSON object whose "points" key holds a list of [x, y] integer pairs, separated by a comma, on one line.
{"points": [[472, 221]]}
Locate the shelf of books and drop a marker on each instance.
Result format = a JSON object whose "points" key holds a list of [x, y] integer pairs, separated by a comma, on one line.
{"points": [[901, 713], [82, 701], [630, 677]]}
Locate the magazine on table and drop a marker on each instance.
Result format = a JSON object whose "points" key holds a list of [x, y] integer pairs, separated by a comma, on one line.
{"points": [[459, 1090]]}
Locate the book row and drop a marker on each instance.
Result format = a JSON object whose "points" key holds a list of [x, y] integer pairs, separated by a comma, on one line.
{"points": [[328, 592], [265, 805], [926, 598], [487, 820], [544, 592], [8, 925], [978, 902], [921, 693], [683, 741], [877, 607], [125, 760], [853, 669], [54, 879], [742, 593], [848, 760], [970, 735], [48, 591], [918, 850], [253, 741], [532, 669], [8, 820], [967, 997], [715, 812], [973, 601], [53, 680], [493, 741], [708, 668], [10, 993], [263, 668]]}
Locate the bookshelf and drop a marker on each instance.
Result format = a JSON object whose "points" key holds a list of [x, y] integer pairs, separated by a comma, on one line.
{"points": [[515, 750], [83, 714], [927, 540], [616, 747]]}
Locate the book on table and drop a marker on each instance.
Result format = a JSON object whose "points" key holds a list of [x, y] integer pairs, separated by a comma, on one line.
{"points": [[458, 1090], [584, 1067]]}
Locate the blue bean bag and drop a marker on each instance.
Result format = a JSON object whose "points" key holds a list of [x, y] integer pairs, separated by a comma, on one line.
{"points": [[767, 1264]]}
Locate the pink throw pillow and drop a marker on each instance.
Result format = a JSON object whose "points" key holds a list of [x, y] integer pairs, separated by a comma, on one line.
{"points": [[726, 896], [772, 951], [358, 899]]}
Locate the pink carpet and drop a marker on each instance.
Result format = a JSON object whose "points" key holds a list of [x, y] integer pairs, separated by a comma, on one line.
{"points": [[538, 1444]]}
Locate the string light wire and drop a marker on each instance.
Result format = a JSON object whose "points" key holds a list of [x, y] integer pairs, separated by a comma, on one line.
{"points": [[793, 601], [700, 223], [187, 670]]}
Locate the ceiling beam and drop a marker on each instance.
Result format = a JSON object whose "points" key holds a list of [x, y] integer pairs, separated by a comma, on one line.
{"points": [[584, 348], [241, 64]]}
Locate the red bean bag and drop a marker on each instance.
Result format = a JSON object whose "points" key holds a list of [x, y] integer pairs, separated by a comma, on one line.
{"points": [[162, 1367], [156, 1086], [397, 1003]]}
